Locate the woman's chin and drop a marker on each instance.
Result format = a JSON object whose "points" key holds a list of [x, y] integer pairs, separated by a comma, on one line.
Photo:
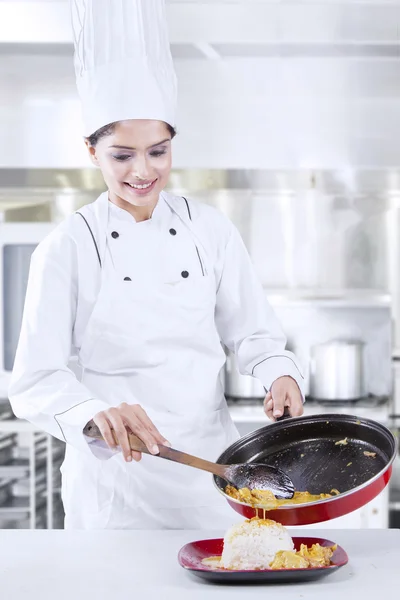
{"points": [[143, 202], [140, 200]]}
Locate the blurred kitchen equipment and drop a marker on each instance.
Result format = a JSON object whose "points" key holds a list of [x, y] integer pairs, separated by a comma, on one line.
{"points": [[253, 476], [337, 370], [241, 386], [320, 453], [8, 443], [17, 243], [30, 479], [5, 490]]}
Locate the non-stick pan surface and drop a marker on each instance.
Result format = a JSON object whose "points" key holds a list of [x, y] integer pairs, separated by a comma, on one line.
{"points": [[307, 449]]}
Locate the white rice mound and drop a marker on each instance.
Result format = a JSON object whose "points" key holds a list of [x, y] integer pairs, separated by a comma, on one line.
{"points": [[252, 545]]}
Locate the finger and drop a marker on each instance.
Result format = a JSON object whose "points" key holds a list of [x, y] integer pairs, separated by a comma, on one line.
{"points": [[279, 402], [149, 425], [121, 433], [296, 407], [270, 414], [148, 439], [269, 406], [137, 456], [105, 429], [140, 430], [268, 397]]}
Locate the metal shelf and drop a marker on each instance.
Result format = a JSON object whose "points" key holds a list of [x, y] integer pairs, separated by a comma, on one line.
{"points": [[351, 298], [15, 504], [18, 468], [32, 498]]}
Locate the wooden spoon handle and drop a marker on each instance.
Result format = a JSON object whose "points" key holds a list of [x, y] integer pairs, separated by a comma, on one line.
{"points": [[91, 430], [191, 461], [177, 456]]}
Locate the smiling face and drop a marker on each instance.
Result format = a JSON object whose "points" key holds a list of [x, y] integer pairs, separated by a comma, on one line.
{"points": [[135, 161]]}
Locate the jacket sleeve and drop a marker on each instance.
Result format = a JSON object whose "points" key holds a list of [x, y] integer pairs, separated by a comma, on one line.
{"points": [[43, 390], [246, 322]]}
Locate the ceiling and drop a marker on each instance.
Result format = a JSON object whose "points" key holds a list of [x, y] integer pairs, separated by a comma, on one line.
{"points": [[300, 84], [224, 29]]}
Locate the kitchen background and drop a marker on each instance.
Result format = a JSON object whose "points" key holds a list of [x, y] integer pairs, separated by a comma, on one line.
{"points": [[289, 121]]}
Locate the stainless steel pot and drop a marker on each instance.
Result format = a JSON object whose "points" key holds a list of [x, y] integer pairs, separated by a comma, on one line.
{"points": [[241, 386], [337, 370]]}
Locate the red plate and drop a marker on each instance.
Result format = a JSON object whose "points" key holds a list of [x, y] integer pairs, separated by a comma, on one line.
{"points": [[191, 555]]}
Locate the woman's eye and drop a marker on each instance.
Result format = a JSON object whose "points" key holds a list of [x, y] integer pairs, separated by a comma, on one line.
{"points": [[121, 156], [157, 153]]}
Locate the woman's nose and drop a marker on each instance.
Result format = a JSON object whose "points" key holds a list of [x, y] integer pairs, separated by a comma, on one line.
{"points": [[141, 168]]}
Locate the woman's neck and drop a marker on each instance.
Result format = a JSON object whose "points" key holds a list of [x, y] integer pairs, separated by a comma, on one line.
{"points": [[139, 213]]}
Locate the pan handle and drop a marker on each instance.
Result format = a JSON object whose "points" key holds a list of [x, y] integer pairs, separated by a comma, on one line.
{"points": [[286, 415]]}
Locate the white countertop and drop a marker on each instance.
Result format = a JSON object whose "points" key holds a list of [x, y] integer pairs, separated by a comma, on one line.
{"points": [[105, 565]]}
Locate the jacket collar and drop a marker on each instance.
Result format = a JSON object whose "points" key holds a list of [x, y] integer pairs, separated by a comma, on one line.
{"points": [[97, 212]]}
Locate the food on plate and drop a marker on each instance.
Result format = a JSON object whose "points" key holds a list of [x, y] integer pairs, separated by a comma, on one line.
{"points": [[261, 544], [267, 500], [315, 557], [253, 544]]}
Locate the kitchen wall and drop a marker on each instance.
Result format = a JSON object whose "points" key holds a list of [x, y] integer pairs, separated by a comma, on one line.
{"points": [[262, 84], [257, 113]]}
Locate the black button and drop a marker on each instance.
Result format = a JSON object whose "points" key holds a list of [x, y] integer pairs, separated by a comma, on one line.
{"points": [[172, 231], [185, 274], [115, 235], [127, 279]]}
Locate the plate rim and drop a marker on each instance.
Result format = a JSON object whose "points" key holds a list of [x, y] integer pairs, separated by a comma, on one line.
{"points": [[227, 572]]}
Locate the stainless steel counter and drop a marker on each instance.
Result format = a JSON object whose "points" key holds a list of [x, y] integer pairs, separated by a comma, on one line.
{"points": [[377, 408]]}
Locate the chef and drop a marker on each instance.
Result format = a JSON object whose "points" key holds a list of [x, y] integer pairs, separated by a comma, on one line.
{"points": [[144, 289]]}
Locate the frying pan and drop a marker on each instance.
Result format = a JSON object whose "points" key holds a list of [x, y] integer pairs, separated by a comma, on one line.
{"points": [[306, 449]]}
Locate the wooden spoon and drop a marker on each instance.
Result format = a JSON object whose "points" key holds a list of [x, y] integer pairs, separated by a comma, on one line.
{"points": [[252, 475]]}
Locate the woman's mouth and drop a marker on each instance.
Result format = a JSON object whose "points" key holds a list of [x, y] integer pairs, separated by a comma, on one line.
{"points": [[141, 189]]}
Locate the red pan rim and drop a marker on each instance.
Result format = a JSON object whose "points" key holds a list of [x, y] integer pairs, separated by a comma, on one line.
{"points": [[350, 492]]}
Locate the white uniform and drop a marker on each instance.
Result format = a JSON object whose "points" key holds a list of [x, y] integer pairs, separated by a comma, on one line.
{"points": [[145, 311]]}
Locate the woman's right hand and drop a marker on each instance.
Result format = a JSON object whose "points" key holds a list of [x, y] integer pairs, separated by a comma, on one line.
{"points": [[130, 416]]}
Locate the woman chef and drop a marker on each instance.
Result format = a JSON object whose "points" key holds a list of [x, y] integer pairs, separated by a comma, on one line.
{"points": [[144, 288]]}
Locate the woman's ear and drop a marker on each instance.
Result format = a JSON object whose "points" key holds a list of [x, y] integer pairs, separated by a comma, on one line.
{"points": [[92, 152]]}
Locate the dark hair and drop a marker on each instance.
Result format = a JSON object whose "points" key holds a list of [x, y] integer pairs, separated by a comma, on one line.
{"points": [[109, 130]]}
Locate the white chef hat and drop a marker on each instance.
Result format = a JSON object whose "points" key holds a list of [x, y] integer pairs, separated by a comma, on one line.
{"points": [[123, 61]]}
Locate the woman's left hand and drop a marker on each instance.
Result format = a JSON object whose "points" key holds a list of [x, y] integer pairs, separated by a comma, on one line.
{"points": [[284, 393]]}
